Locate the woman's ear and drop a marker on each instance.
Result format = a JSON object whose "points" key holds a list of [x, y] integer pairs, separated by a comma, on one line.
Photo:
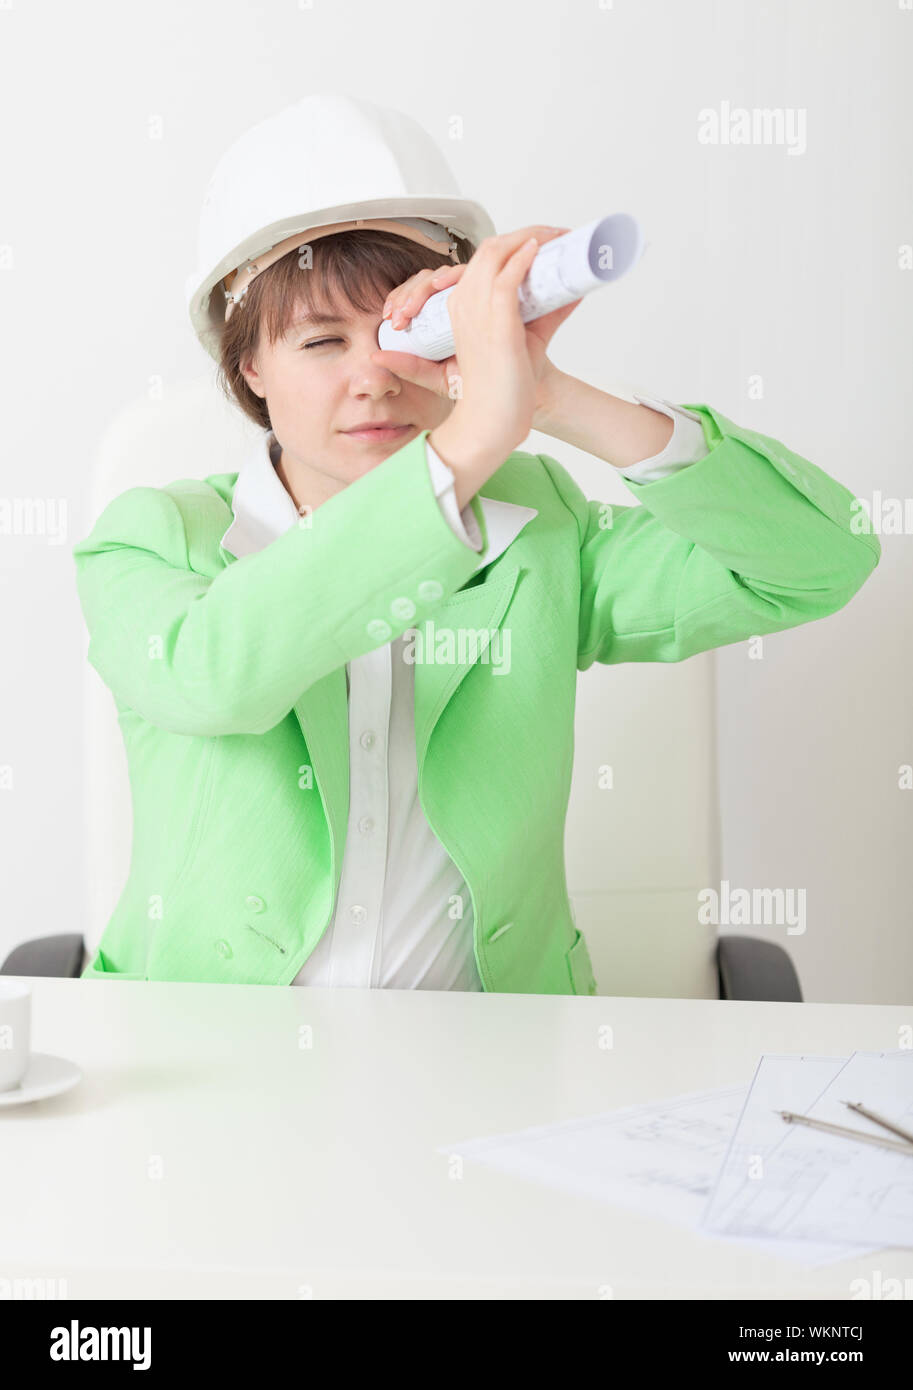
{"points": [[248, 369]]}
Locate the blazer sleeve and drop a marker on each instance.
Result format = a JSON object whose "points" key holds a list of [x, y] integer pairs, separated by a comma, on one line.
{"points": [[750, 539], [231, 654]]}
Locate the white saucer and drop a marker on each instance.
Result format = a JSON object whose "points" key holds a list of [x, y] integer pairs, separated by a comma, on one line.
{"points": [[44, 1076]]}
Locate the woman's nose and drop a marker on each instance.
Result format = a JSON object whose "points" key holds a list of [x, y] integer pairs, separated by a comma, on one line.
{"points": [[375, 373]]}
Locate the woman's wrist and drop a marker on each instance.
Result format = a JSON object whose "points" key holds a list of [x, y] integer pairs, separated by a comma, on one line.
{"points": [[619, 431], [548, 396], [471, 461]]}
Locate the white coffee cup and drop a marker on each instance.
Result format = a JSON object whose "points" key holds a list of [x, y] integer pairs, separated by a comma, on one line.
{"points": [[15, 1023]]}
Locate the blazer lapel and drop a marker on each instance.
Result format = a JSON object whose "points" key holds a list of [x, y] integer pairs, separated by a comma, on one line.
{"points": [[323, 715], [261, 510], [322, 710], [479, 609]]}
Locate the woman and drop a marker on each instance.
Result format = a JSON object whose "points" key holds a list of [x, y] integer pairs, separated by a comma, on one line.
{"points": [[345, 675]]}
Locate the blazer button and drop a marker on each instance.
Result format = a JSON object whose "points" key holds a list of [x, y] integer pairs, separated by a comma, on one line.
{"points": [[254, 904], [378, 629], [403, 609], [429, 590], [224, 950]]}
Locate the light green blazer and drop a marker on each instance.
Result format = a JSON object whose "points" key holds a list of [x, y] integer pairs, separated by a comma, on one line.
{"points": [[229, 680]]}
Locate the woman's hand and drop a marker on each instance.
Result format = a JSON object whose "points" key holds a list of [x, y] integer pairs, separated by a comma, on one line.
{"points": [[506, 262]]}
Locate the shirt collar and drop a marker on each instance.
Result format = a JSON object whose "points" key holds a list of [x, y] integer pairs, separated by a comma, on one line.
{"points": [[262, 509]]}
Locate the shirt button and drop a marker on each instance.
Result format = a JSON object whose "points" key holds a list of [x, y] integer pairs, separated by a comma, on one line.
{"points": [[358, 914], [367, 739], [366, 825], [224, 950], [403, 609], [254, 904], [429, 590], [378, 629]]}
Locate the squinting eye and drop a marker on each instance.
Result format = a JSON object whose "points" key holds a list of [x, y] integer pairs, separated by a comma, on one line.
{"points": [[320, 342]]}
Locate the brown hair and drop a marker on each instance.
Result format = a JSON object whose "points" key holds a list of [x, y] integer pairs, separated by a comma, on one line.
{"points": [[355, 267]]}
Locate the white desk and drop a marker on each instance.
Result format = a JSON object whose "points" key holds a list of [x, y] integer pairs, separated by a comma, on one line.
{"points": [[292, 1172]]}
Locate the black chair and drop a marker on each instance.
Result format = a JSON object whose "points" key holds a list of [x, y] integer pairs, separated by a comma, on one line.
{"points": [[748, 967], [47, 955]]}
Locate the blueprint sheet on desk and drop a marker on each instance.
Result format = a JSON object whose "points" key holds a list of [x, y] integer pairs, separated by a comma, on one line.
{"points": [[662, 1158], [795, 1183]]}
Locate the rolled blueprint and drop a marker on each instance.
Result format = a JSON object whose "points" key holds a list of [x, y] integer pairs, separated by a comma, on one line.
{"points": [[565, 269]]}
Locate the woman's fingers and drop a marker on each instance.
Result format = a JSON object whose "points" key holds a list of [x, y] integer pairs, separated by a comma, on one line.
{"points": [[517, 265], [488, 268], [498, 249], [446, 275], [398, 297], [403, 303], [408, 299]]}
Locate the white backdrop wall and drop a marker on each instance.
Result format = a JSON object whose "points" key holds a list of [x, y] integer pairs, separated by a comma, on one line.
{"points": [[775, 287]]}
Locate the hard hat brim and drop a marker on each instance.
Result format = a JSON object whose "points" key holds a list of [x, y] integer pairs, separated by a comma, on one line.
{"points": [[463, 216]]}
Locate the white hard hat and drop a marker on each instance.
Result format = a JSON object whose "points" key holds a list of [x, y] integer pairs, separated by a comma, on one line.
{"points": [[327, 163]]}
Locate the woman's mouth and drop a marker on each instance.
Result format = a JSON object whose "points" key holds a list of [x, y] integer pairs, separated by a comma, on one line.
{"points": [[379, 436]]}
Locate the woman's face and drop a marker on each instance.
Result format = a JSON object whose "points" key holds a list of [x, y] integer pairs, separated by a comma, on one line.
{"points": [[320, 383]]}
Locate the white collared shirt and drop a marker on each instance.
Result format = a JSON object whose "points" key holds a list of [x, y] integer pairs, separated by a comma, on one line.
{"points": [[403, 913]]}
